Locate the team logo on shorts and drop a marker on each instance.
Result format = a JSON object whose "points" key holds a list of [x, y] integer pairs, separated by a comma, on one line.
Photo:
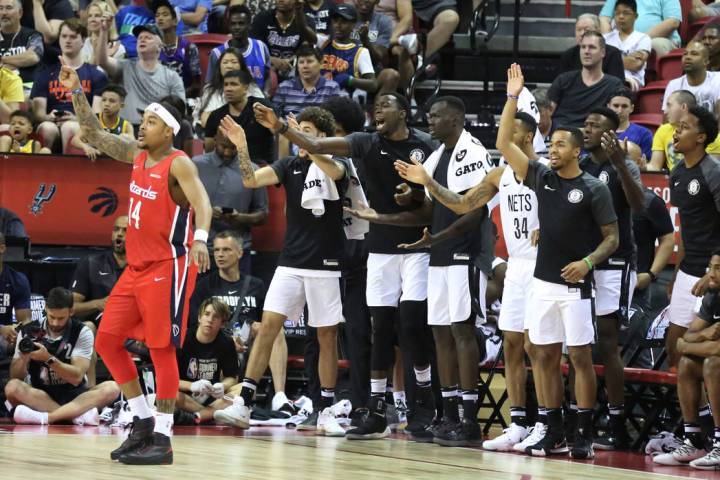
{"points": [[417, 155], [604, 177], [575, 196], [460, 155], [693, 187], [176, 330]]}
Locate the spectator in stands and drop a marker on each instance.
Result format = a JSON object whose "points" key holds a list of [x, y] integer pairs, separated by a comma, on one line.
{"points": [[711, 40], [255, 52], [403, 43], [240, 107], [178, 53], [283, 29], [208, 365], [112, 100], [212, 98], [19, 141], [575, 93], [308, 88], [11, 92], [52, 104], [622, 103], [372, 30], [699, 364], [570, 59], [21, 48], [704, 85], [235, 207], [145, 78], [545, 108], [96, 11], [129, 17], [635, 46], [320, 10], [659, 19], [701, 10], [14, 289], [11, 225], [46, 16], [58, 389], [193, 14], [443, 18]]}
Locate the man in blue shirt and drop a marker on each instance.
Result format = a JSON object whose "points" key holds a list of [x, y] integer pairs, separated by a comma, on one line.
{"points": [[194, 15], [14, 295], [660, 19], [128, 18], [622, 103]]}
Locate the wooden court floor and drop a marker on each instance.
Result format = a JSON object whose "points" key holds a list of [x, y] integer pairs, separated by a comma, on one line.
{"points": [[71, 453]]}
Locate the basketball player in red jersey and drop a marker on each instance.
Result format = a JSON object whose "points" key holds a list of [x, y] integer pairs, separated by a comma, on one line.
{"points": [[150, 300]]}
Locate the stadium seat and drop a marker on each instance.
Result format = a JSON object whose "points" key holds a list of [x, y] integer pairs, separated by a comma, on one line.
{"points": [[670, 66], [685, 29], [205, 43], [696, 27], [649, 98], [651, 121]]}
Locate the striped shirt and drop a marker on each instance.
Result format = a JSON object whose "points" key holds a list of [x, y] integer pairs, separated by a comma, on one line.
{"points": [[291, 96]]}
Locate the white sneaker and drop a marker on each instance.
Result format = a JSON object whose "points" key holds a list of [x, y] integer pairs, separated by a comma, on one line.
{"points": [[278, 400], [663, 442], [682, 456], [328, 425], [236, 415], [535, 434], [505, 442], [711, 461], [28, 416], [89, 418]]}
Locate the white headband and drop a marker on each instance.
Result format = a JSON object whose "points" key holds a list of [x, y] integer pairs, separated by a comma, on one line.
{"points": [[166, 116]]}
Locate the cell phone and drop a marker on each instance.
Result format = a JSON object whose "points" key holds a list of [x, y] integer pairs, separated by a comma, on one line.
{"points": [[227, 210]]}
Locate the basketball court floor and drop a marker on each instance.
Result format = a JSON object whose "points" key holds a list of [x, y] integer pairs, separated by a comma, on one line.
{"points": [[69, 452]]}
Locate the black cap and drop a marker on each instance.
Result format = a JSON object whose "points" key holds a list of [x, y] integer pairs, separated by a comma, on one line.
{"points": [[345, 11], [164, 3], [150, 28]]}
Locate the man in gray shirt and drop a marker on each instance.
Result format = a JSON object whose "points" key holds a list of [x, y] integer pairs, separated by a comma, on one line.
{"points": [[234, 206], [145, 78]]}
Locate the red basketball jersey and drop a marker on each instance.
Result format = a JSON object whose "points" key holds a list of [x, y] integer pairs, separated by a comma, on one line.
{"points": [[158, 228]]}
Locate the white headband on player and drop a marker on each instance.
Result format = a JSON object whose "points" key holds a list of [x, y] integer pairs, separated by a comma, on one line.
{"points": [[166, 116]]}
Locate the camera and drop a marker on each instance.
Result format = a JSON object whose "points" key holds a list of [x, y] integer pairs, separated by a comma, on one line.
{"points": [[31, 332]]}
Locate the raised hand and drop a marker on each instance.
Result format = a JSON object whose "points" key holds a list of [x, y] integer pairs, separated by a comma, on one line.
{"points": [[363, 212], [425, 241], [611, 145], [68, 77], [234, 132], [515, 80], [266, 117], [412, 172]]}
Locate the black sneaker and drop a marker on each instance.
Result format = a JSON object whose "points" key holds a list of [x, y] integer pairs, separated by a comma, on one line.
{"points": [[571, 425], [182, 417], [612, 442], [373, 427], [158, 451], [583, 448], [461, 434], [551, 444], [431, 431], [310, 423], [420, 417], [357, 417], [141, 432]]}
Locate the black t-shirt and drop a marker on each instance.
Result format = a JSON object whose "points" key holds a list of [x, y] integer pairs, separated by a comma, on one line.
{"points": [[282, 43], [459, 250], [14, 294], [259, 139], [612, 63], [314, 243], [374, 157], [653, 223], [571, 212], [205, 361], [321, 16], [248, 292], [17, 43], [696, 193], [54, 10], [710, 307], [574, 99], [606, 173], [95, 276]]}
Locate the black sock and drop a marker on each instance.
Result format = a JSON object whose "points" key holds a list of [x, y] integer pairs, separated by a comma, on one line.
{"points": [[450, 402], [518, 416], [585, 422], [327, 397], [617, 418], [555, 421], [542, 415], [693, 433], [705, 420], [247, 392], [470, 404]]}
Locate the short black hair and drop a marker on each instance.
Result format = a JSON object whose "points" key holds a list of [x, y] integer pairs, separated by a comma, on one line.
{"points": [[527, 120], [307, 50], [27, 114], [607, 113], [115, 88], [239, 9], [321, 118], [175, 105], [347, 113], [631, 4], [59, 297], [715, 252], [707, 123], [623, 92], [577, 136], [453, 102], [402, 102], [243, 75], [685, 97]]}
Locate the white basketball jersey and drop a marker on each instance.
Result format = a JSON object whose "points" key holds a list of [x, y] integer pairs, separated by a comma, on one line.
{"points": [[519, 215]]}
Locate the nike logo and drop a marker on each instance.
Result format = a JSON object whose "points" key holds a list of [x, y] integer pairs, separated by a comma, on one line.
{"points": [[505, 184], [297, 171], [135, 167], [716, 317], [159, 279], [103, 273], [383, 152], [676, 184], [155, 175], [232, 292], [548, 188]]}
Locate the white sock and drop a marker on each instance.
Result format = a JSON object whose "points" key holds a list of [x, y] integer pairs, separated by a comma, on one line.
{"points": [[378, 386], [139, 407], [164, 423]]}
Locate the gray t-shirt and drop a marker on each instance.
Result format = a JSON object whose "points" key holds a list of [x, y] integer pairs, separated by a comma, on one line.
{"points": [[225, 188], [145, 88], [380, 30]]}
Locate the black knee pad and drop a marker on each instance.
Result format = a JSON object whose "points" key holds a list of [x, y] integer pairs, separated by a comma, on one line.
{"points": [[383, 332], [415, 336]]}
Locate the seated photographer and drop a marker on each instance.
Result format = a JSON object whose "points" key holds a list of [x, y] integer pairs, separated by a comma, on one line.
{"points": [[208, 365], [56, 354]]}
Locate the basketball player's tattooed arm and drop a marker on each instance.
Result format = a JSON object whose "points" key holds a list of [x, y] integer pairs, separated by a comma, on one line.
{"points": [[411, 218], [251, 178], [515, 157], [458, 227]]}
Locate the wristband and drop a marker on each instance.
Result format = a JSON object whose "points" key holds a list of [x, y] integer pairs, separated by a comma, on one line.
{"points": [[653, 277], [588, 263], [77, 91], [514, 97], [200, 235], [284, 127]]}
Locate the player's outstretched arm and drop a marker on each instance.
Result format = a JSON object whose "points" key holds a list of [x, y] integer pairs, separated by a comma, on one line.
{"points": [[412, 218], [251, 178], [515, 157], [458, 227]]}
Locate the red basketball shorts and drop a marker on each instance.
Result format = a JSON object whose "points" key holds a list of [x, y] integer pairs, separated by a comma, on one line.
{"points": [[151, 304]]}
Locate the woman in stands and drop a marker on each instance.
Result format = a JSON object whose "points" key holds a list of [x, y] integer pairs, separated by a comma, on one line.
{"points": [[95, 13]]}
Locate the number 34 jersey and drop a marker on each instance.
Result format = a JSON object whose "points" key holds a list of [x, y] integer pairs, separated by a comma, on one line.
{"points": [[158, 228], [519, 214]]}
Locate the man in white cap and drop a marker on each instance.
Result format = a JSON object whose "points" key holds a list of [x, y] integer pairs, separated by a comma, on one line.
{"points": [[150, 300]]}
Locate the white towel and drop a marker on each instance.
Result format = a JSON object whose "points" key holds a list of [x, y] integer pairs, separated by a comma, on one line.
{"points": [[468, 164], [319, 187]]}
